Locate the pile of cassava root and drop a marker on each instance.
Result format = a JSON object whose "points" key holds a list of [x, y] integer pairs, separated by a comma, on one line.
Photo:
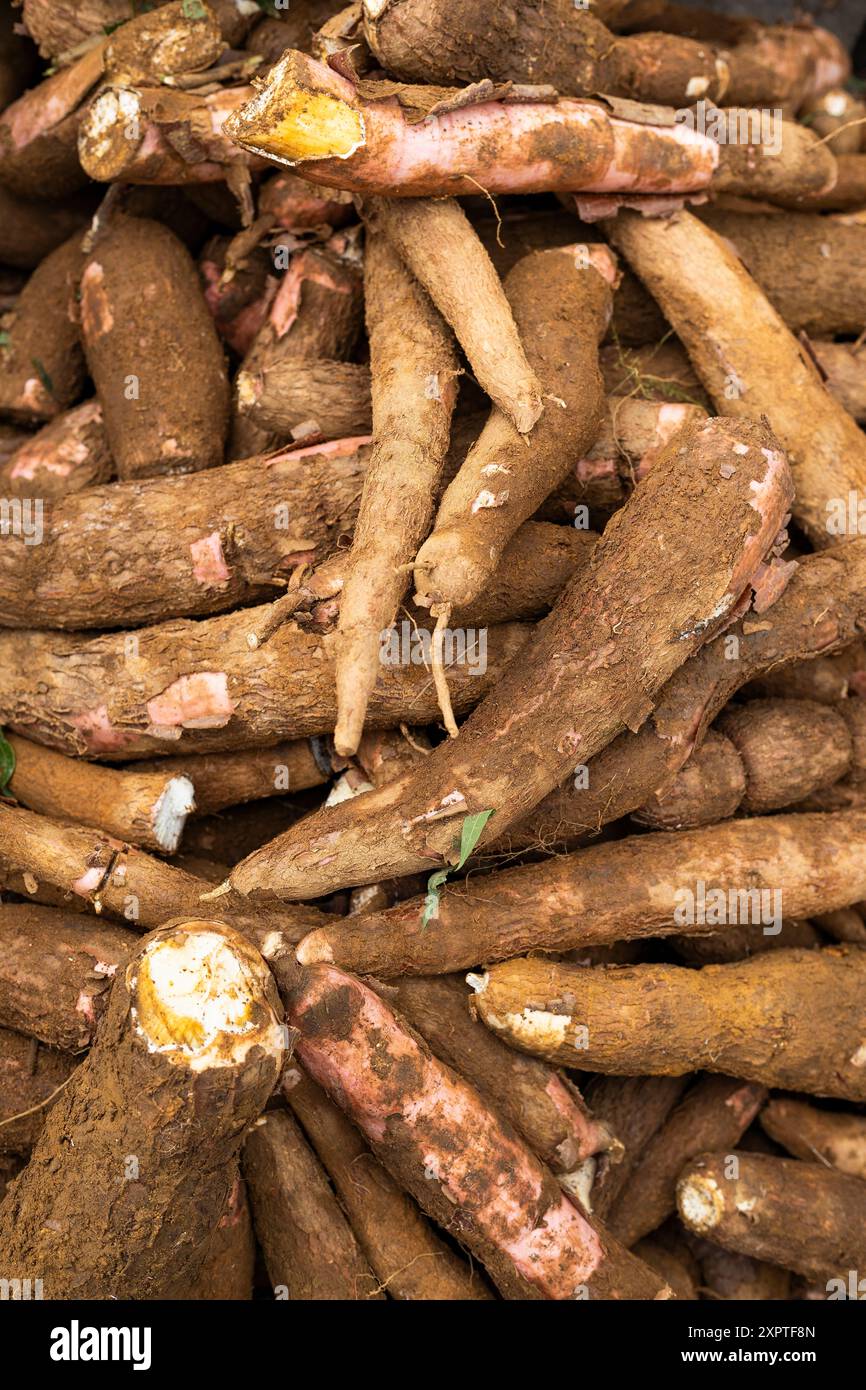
{"points": [[432, 652]]}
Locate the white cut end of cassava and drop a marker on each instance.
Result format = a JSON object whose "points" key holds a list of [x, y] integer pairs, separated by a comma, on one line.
{"points": [[578, 1183], [272, 944], [373, 8], [701, 1203], [478, 983], [859, 1057], [170, 812], [117, 107], [246, 388], [200, 998], [343, 790], [314, 949]]}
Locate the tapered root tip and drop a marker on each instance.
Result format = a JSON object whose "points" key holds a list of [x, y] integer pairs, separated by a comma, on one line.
{"points": [[170, 812], [203, 997]]}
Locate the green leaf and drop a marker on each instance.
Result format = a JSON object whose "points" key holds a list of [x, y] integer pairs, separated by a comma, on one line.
{"points": [[7, 763], [43, 375], [470, 833], [5, 340], [194, 9]]}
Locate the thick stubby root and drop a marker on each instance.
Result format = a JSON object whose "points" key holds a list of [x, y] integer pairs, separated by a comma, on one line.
{"points": [[196, 687], [748, 360], [229, 779], [786, 65], [715, 1114], [192, 545], [620, 890], [543, 1106], [848, 193], [828, 1136], [739, 941], [426, 142], [845, 924], [802, 1216], [761, 756], [561, 301], [316, 313], [59, 25], [238, 292], [143, 808], [167, 125], [443, 252], [44, 859], [56, 969], [139, 1153], [39, 132], [812, 269], [747, 1018], [633, 1108], [29, 1076], [41, 362], [712, 520], [464, 1165], [408, 1258], [677, 1266], [310, 1250], [828, 679], [763, 157], [142, 363], [308, 400], [67, 455], [296, 205], [413, 368]]}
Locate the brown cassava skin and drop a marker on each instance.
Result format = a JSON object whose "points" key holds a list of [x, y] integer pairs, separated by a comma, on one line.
{"points": [[746, 1017], [656, 372], [42, 365], [440, 248], [544, 1107], [125, 804], [708, 788], [796, 167], [67, 455], [828, 113], [197, 687], [675, 1267], [715, 1114], [29, 230], [812, 269], [829, 679], [818, 1136], [238, 291], [182, 546], [39, 132], [229, 1264], [29, 1075], [789, 749], [571, 49], [310, 1250], [565, 699], [492, 1194], [747, 359], [228, 779], [822, 609], [409, 1259], [614, 891], [316, 313], [845, 366], [848, 192], [740, 1278], [147, 1232], [56, 970], [634, 1108], [746, 939], [58, 25], [413, 366], [802, 1216], [39, 856], [845, 924], [761, 756], [420, 41], [165, 427], [561, 305], [306, 400]]}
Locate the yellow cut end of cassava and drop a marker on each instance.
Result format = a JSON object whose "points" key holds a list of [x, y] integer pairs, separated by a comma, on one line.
{"points": [[310, 125]]}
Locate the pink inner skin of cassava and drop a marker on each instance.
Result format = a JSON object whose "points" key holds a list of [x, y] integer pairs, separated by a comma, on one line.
{"points": [[287, 302], [557, 1256], [585, 1135], [54, 454], [199, 701], [98, 730], [208, 561]]}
